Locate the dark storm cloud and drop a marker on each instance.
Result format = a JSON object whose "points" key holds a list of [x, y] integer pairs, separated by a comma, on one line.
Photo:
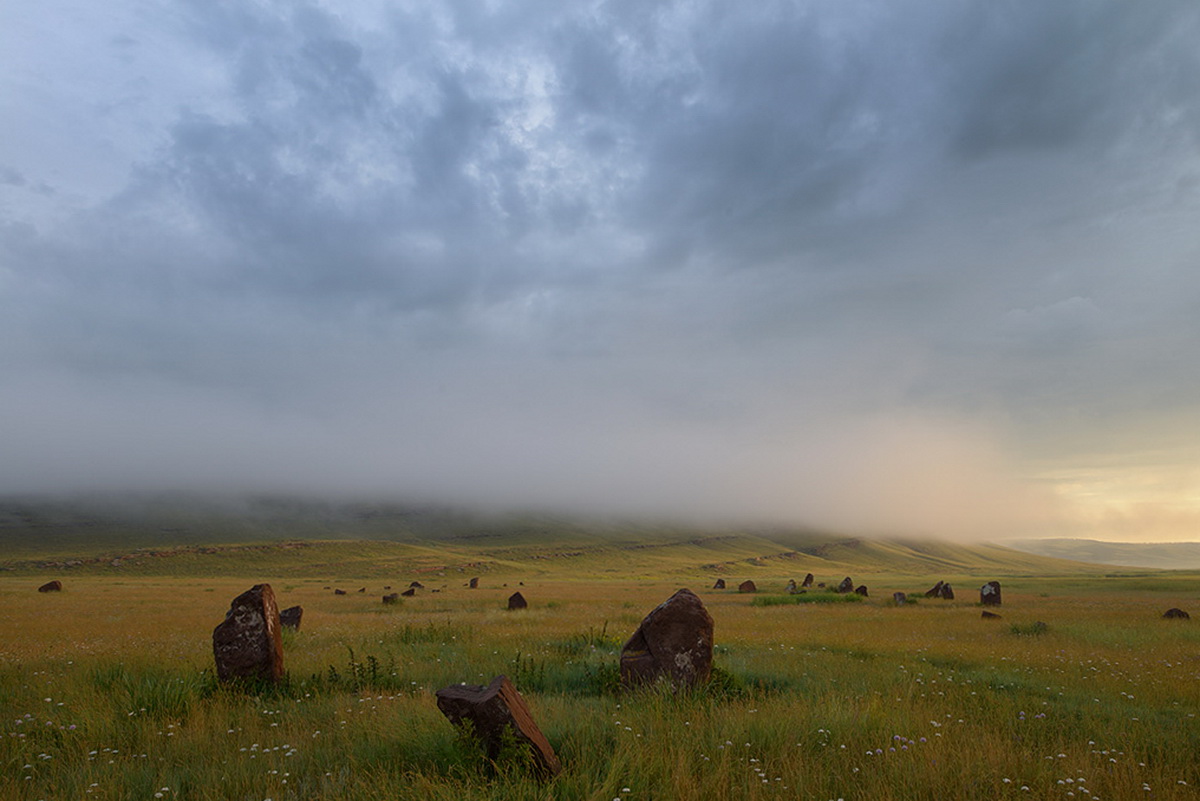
{"points": [[676, 256]]}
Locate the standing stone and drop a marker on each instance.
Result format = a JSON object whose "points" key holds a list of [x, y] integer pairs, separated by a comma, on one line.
{"points": [[51, 586], [947, 592], [808, 580], [791, 586], [473, 583], [416, 585], [290, 618], [247, 644], [362, 589], [861, 589], [1176, 613], [392, 598], [935, 591], [674, 641], [410, 592], [493, 712], [989, 594], [846, 585], [747, 586], [719, 585], [899, 598], [517, 601]]}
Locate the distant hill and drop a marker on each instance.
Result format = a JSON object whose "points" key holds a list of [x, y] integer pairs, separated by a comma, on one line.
{"points": [[289, 537], [1165, 555]]}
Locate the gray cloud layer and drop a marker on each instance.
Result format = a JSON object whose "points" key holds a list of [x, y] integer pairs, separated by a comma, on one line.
{"points": [[916, 267]]}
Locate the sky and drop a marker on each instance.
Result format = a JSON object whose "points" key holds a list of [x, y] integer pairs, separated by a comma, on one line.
{"points": [[892, 268]]}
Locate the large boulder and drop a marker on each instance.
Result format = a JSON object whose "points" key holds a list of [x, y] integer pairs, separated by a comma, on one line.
{"points": [[674, 643], [51, 586], [1177, 614], [747, 586], [517, 601], [495, 713], [846, 585], [247, 644], [935, 591], [947, 592], [719, 584], [861, 589], [808, 580], [473, 583], [290, 618], [989, 594]]}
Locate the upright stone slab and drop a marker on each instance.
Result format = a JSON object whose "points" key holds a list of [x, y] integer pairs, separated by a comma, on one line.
{"points": [[861, 589], [51, 586], [846, 585], [791, 586], [899, 598], [808, 580], [719, 584], [290, 618], [392, 598], [747, 586], [494, 710], [247, 645], [989, 594], [517, 601], [935, 591], [674, 643], [473, 583], [947, 592]]}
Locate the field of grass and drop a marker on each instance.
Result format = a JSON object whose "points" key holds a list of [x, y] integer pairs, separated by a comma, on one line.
{"points": [[107, 689]]}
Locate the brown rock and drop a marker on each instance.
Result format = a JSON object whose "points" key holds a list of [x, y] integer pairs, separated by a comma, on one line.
{"points": [[517, 601], [899, 598], [492, 712], [51, 586], [719, 585], [247, 645], [362, 589], [935, 591], [747, 586], [392, 598], [290, 618], [989, 594], [846, 585], [987, 614], [473, 583], [410, 592], [808, 580], [1177, 614], [417, 585], [861, 589], [947, 592], [791, 586], [339, 592], [674, 642]]}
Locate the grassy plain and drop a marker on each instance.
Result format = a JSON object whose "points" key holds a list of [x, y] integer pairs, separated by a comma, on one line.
{"points": [[106, 689]]}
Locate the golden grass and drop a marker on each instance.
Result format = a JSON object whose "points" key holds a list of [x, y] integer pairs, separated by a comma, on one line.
{"points": [[852, 701]]}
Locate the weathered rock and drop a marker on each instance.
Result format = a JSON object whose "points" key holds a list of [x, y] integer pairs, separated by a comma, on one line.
{"points": [[821, 584], [674, 642], [1176, 613], [51, 586], [290, 618], [988, 614], [247, 644], [417, 585], [808, 580], [517, 601], [747, 586], [861, 589], [410, 592], [392, 598], [494, 712], [362, 589], [935, 591], [899, 598], [719, 585], [473, 583], [791, 586], [339, 592], [846, 585], [947, 592], [989, 594]]}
